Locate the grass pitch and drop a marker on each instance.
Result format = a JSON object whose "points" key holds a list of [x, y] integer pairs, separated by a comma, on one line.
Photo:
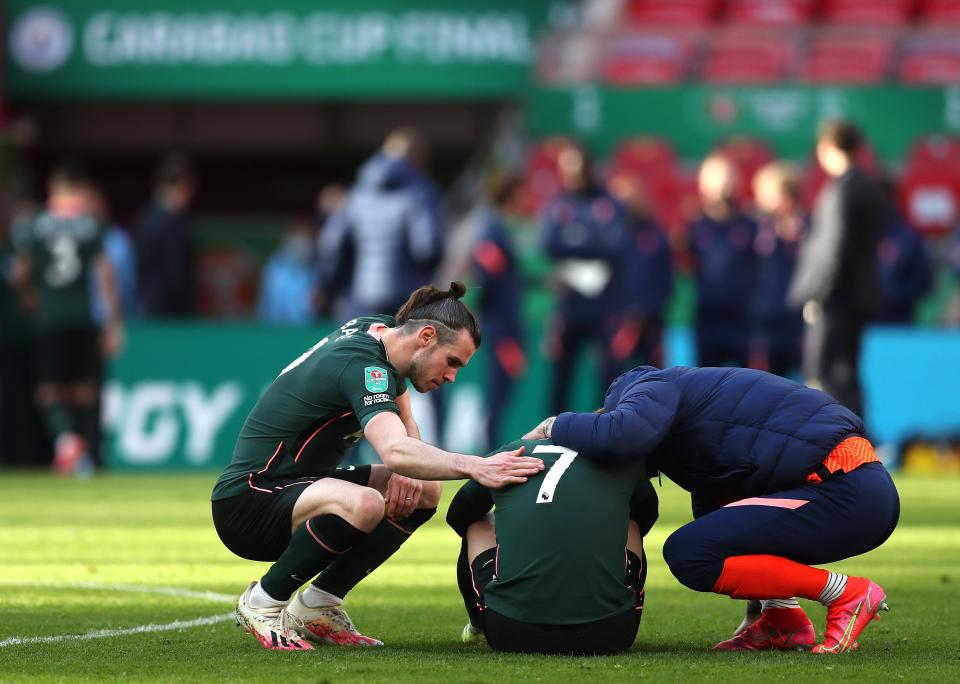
{"points": [[123, 553]]}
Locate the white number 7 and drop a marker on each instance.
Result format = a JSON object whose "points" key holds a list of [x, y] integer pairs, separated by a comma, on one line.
{"points": [[552, 479]]}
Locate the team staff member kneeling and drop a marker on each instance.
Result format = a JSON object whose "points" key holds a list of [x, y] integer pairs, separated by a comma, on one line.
{"points": [[782, 479], [283, 499], [559, 567]]}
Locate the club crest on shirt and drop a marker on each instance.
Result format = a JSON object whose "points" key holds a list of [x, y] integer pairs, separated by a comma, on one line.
{"points": [[375, 378]]}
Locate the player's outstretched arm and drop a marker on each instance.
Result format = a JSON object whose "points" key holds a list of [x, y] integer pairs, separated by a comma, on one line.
{"points": [[414, 458]]}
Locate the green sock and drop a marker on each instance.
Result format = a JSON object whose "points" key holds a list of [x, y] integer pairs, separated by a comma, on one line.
{"points": [[369, 553], [58, 419], [312, 547]]}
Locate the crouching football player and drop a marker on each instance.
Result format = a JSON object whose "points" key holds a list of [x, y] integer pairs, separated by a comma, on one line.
{"points": [[559, 567]]}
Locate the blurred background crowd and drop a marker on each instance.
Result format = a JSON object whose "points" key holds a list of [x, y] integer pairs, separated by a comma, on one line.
{"points": [[713, 182]]}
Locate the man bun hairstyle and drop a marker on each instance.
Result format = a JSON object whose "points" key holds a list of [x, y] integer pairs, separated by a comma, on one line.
{"points": [[442, 309]]}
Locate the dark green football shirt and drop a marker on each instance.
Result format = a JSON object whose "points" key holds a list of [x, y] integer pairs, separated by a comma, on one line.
{"points": [[561, 539], [317, 407], [62, 251]]}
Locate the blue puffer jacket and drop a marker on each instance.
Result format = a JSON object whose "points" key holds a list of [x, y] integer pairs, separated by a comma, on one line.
{"points": [[720, 433]]}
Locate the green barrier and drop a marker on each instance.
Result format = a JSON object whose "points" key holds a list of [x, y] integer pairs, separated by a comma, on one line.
{"points": [[212, 49], [694, 117]]}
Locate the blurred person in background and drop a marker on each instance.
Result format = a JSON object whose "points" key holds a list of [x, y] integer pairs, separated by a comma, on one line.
{"points": [[387, 237], [776, 343], [119, 248], [495, 271], [647, 281], [289, 278], [164, 243], [58, 250], [22, 437], [903, 265], [836, 281], [330, 287], [724, 264], [585, 233]]}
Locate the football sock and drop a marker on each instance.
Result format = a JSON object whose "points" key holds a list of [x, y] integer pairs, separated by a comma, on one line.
{"points": [[465, 584], [261, 599], [369, 553], [769, 577], [58, 419], [318, 598], [836, 583], [779, 603], [312, 547]]}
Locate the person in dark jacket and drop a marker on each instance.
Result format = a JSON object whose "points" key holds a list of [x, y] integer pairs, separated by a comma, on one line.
{"points": [[836, 280], [164, 245], [782, 478], [776, 340], [721, 246], [586, 234], [903, 265], [647, 281], [387, 237], [495, 270]]}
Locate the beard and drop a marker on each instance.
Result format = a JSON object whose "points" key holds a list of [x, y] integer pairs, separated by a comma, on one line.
{"points": [[417, 374]]}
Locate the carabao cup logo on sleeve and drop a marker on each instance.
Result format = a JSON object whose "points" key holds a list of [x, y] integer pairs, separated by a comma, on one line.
{"points": [[375, 378], [41, 39]]}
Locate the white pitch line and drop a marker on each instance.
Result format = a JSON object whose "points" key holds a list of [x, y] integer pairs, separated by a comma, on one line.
{"points": [[107, 633]]}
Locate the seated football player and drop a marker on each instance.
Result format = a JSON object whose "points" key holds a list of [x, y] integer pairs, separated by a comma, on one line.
{"points": [[558, 567]]}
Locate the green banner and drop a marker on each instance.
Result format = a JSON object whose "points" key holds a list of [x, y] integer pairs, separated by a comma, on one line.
{"points": [[695, 117], [255, 48]]}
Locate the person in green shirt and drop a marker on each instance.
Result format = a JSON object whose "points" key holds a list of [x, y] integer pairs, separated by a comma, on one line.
{"points": [[559, 566], [283, 499], [57, 251]]}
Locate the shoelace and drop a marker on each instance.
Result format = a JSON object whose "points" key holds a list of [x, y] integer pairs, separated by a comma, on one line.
{"points": [[340, 616]]}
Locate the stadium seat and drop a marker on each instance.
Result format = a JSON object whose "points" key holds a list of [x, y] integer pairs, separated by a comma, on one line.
{"points": [[541, 177], [653, 162], [930, 187], [671, 12], [940, 12], [931, 55], [748, 154], [749, 56], [868, 12], [647, 58], [848, 55], [769, 12]]}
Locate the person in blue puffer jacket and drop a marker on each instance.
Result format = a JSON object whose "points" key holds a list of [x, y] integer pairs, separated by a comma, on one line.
{"points": [[782, 478], [390, 227]]}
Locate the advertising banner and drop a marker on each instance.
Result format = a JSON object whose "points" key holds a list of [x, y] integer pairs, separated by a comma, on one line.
{"points": [[254, 48]]}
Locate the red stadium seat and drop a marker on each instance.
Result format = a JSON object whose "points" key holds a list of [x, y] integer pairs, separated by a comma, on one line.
{"points": [[848, 56], [653, 163], [930, 187], [748, 154], [671, 12], [647, 58], [940, 12], [541, 177], [868, 12], [769, 12], [749, 56], [931, 55]]}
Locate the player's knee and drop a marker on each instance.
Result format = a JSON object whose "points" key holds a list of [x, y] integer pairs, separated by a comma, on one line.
{"points": [[687, 560], [368, 507], [430, 495]]}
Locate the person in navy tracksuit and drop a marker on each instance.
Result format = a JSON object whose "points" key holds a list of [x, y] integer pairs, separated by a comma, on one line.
{"points": [[903, 267], [585, 232], [637, 337], [782, 478], [495, 270], [721, 244], [776, 339]]}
